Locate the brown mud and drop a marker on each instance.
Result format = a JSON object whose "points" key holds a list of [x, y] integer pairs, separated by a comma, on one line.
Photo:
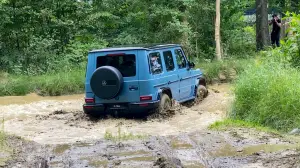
{"points": [[55, 133]]}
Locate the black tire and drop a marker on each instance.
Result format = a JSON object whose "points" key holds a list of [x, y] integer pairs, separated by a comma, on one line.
{"points": [[165, 104], [163, 109], [106, 82], [201, 93]]}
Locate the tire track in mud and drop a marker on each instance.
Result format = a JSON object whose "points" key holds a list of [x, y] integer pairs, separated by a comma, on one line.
{"points": [[200, 152], [166, 150], [178, 155]]}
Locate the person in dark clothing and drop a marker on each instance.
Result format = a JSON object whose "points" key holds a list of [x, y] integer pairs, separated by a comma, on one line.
{"points": [[275, 35]]}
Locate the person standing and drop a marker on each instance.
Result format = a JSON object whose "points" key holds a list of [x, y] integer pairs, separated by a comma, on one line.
{"points": [[275, 35]]}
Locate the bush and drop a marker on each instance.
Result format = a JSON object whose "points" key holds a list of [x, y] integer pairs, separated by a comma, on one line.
{"points": [[291, 48], [268, 94], [228, 68]]}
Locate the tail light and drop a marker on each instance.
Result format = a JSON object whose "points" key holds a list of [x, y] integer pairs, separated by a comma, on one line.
{"points": [[145, 98], [89, 100]]}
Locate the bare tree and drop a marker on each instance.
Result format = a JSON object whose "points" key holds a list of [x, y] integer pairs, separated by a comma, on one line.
{"points": [[262, 28], [217, 31]]}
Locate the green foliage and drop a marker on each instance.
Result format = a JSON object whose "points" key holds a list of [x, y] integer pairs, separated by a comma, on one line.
{"points": [[3, 143], [122, 136], [242, 45], [236, 40], [268, 94], [291, 47], [77, 50], [230, 123], [229, 68], [53, 84], [289, 52], [39, 37]]}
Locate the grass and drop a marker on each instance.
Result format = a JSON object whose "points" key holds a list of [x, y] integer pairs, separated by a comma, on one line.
{"points": [[47, 85], [122, 136], [3, 145], [268, 94], [228, 68], [231, 123]]}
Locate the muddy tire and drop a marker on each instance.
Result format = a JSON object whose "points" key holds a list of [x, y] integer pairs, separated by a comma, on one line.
{"points": [[165, 104], [201, 93], [163, 109]]}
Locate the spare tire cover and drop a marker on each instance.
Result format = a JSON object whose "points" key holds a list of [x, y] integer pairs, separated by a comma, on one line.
{"points": [[106, 82]]}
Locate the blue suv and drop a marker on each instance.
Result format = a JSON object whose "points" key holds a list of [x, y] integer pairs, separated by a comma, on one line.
{"points": [[140, 79]]}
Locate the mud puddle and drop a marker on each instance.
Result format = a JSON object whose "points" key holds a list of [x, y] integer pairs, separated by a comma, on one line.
{"points": [[60, 135], [196, 149], [59, 122]]}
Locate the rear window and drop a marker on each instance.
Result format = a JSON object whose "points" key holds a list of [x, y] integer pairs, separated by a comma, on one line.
{"points": [[126, 64]]}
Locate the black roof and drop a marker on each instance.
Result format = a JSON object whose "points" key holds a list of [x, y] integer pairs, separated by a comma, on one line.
{"points": [[137, 47]]}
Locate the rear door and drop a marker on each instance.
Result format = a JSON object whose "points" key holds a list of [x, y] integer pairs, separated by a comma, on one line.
{"points": [[127, 63]]}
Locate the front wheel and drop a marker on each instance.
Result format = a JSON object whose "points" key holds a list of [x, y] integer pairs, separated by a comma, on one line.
{"points": [[201, 93]]}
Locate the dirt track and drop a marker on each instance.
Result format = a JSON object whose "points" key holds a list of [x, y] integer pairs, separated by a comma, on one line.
{"points": [[63, 137]]}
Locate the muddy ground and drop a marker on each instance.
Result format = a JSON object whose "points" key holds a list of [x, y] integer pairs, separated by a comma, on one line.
{"points": [[55, 133]]}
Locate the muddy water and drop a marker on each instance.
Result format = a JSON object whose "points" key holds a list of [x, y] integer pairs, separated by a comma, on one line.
{"points": [[30, 98], [51, 120], [67, 138]]}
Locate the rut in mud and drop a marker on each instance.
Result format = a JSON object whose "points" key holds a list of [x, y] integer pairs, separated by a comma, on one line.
{"points": [[247, 148], [60, 135]]}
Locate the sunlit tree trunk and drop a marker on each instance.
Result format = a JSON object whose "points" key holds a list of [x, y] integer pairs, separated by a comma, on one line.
{"points": [[262, 27], [217, 31]]}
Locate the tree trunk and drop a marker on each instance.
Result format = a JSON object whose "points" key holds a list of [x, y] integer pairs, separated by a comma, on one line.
{"points": [[262, 28], [217, 31]]}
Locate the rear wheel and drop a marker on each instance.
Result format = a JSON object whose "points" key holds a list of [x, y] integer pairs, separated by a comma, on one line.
{"points": [[163, 109], [165, 104]]}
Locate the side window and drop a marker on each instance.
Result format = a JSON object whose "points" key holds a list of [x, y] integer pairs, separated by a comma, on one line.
{"points": [[180, 59], [155, 63], [169, 60]]}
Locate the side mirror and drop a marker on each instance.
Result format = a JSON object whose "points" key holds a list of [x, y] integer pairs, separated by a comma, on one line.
{"points": [[191, 65]]}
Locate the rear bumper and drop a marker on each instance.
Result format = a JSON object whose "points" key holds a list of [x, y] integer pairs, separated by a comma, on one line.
{"points": [[121, 107]]}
